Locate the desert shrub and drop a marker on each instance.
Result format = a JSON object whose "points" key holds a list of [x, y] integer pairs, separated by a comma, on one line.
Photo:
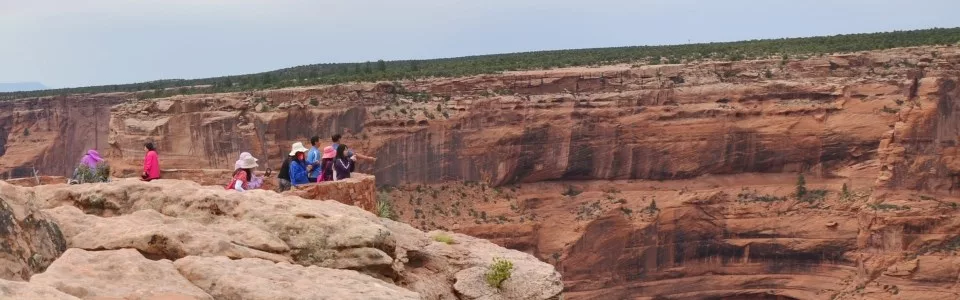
{"points": [[814, 195], [385, 206], [85, 174], [886, 207], [444, 238], [801, 187], [752, 196], [499, 272]]}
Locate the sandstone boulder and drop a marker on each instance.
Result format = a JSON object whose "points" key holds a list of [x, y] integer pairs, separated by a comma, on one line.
{"points": [[322, 233], [155, 234], [121, 274], [26, 290], [29, 241], [466, 262], [257, 279]]}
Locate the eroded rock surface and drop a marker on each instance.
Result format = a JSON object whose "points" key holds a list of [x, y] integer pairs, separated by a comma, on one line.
{"points": [[122, 274], [259, 240], [29, 240], [257, 279], [28, 290]]}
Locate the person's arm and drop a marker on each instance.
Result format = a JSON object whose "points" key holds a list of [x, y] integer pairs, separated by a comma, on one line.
{"points": [[364, 157], [238, 185]]}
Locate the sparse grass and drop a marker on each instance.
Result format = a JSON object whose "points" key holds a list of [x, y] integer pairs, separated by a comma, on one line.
{"points": [[746, 195], [385, 207], [887, 207], [444, 238], [499, 271], [812, 196]]}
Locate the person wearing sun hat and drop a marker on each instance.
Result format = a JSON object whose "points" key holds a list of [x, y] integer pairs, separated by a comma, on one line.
{"points": [[243, 173], [255, 181], [326, 164], [298, 166]]}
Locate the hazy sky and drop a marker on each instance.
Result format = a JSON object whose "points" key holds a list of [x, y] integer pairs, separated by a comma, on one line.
{"points": [[65, 43]]}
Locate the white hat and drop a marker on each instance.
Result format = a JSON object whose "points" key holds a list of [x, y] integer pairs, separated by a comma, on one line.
{"points": [[246, 161], [297, 147]]}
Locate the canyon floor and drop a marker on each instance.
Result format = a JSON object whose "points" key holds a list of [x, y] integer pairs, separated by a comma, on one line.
{"points": [[641, 181]]}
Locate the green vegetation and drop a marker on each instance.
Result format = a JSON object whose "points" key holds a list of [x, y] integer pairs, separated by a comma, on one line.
{"points": [[801, 187], [746, 195], [886, 207], [487, 64], [499, 272], [385, 206], [86, 175], [443, 238], [814, 196], [652, 208], [26, 132], [809, 196]]}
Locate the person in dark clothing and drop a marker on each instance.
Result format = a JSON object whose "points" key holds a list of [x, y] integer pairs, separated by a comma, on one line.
{"points": [[283, 176], [343, 164]]}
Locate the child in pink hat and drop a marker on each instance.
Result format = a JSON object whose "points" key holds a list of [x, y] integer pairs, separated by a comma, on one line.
{"points": [[326, 163]]}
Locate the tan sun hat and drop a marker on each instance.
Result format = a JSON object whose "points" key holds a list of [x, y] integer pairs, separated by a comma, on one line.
{"points": [[246, 161], [297, 147]]}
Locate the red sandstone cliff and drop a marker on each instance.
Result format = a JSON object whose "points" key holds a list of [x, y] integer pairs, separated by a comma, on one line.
{"points": [[881, 122]]}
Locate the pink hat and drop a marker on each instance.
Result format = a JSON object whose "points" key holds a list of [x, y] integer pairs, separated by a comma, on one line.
{"points": [[328, 152]]}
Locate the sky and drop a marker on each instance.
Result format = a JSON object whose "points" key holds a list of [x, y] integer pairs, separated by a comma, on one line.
{"points": [[69, 43]]}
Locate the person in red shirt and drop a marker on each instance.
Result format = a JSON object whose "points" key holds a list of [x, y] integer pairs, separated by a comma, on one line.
{"points": [[151, 164]]}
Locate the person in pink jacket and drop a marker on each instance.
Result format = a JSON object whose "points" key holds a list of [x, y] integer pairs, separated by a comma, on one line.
{"points": [[151, 164]]}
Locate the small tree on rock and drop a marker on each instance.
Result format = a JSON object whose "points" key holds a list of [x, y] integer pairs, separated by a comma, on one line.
{"points": [[801, 187]]}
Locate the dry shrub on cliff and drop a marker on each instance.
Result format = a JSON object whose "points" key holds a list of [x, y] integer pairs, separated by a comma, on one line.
{"points": [[444, 238], [385, 206], [499, 272]]}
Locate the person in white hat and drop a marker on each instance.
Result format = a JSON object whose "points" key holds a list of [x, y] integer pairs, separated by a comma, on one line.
{"points": [[244, 173], [298, 166], [256, 181]]}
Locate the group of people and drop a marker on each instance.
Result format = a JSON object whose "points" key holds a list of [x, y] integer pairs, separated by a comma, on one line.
{"points": [[301, 166], [94, 168]]}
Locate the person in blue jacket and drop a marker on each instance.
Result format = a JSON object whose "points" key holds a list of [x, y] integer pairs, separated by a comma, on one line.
{"points": [[298, 167], [313, 160]]}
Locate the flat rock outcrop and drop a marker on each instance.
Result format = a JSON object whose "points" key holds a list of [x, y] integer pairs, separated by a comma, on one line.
{"points": [[257, 279], [119, 274], [143, 240]]}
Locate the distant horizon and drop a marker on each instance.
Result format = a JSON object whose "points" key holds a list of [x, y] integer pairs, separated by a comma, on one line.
{"points": [[48, 87], [65, 44]]}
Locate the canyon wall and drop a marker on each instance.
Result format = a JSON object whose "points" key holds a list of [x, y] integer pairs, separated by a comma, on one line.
{"points": [[619, 122], [659, 181]]}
